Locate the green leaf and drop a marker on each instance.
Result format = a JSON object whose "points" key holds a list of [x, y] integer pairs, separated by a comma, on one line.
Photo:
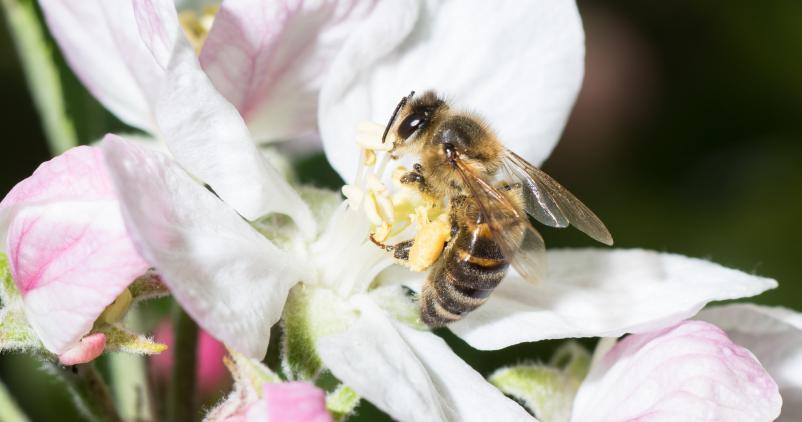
{"points": [[41, 71], [547, 390], [342, 402]]}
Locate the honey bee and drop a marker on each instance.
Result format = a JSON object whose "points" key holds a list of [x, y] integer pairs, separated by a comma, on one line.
{"points": [[489, 191]]}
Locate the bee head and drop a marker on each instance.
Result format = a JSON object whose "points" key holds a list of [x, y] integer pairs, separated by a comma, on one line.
{"points": [[412, 117]]}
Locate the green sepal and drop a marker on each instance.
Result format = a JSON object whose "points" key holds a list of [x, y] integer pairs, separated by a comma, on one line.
{"points": [[119, 339], [15, 332], [310, 313], [148, 286], [547, 390], [341, 402]]}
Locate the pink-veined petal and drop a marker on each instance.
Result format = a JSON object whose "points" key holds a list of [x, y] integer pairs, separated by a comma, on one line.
{"points": [[228, 277], [602, 293], [100, 41], [269, 59], [68, 248], [774, 335], [522, 72], [203, 131], [691, 371], [407, 373]]}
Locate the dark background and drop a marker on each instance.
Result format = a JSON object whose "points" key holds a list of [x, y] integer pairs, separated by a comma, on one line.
{"points": [[687, 138]]}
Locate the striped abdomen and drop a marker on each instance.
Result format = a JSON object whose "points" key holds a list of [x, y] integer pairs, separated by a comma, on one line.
{"points": [[472, 266]]}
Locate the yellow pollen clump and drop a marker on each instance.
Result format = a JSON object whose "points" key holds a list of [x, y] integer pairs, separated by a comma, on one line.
{"points": [[370, 157], [196, 25], [430, 240]]}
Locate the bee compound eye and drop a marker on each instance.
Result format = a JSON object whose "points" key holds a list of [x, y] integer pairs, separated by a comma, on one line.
{"points": [[411, 123]]}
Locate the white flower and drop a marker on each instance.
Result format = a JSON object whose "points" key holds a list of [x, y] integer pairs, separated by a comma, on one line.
{"points": [[521, 70]]}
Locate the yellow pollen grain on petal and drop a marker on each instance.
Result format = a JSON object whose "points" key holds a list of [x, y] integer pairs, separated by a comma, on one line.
{"points": [[429, 242], [196, 25]]}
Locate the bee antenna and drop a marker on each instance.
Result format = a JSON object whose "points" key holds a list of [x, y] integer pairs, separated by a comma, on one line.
{"points": [[398, 108]]}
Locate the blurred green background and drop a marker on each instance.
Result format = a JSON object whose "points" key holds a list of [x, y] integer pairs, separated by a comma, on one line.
{"points": [[687, 138]]}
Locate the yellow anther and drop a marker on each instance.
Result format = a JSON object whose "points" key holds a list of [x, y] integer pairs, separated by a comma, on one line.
{"points": [[369, 157], [429, 243], [196, 25], [117, 309]]}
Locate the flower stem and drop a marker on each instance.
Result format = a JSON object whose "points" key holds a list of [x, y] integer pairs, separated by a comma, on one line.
{"points": [[9, 410], [88, 390], [129, 379], [38, 61], [182, 394]]}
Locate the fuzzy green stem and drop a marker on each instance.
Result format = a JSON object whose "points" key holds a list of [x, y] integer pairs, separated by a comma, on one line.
{"points": [[129, 379], [41, 72], [183, 394], [88, 390], [9, 410]]}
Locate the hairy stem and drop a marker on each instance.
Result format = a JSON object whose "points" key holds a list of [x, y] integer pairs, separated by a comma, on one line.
{"points": [[183, 394], [88, 390], [129, 379]]}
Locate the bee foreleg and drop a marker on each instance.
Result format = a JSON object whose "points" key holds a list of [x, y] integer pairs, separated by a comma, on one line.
{"points": [[415, 177], [400, 250]]}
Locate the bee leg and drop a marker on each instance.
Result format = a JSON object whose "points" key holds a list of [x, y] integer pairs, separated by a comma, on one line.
{"points": [[400, 250], [415, 177]]}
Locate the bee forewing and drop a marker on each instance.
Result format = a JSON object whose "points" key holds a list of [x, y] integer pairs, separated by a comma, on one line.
{"points": [[521, 244], [552, 204]]}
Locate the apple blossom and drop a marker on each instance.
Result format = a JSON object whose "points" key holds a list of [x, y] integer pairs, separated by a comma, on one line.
{"points": [[238, 267]]}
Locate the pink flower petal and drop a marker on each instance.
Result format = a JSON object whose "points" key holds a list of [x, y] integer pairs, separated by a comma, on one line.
{"points": [[69, 251], [89, 348], [203, 131], [295, 401], [691, 371], [269, 59]]}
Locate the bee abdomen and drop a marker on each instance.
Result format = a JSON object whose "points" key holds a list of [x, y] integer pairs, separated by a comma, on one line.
{"points": [[461, 284]]}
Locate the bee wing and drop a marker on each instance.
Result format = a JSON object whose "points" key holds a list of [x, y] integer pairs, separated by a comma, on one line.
{"points": [[519, 242], [552, 204]]}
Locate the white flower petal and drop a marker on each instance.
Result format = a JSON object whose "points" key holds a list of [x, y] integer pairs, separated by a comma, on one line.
{"points": [[269, 59], [522, 72], [594, 292], [774, 335], [373, 359], [690, 371], [466, 395], [100, 41], [229, 278], [204, 132]]}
